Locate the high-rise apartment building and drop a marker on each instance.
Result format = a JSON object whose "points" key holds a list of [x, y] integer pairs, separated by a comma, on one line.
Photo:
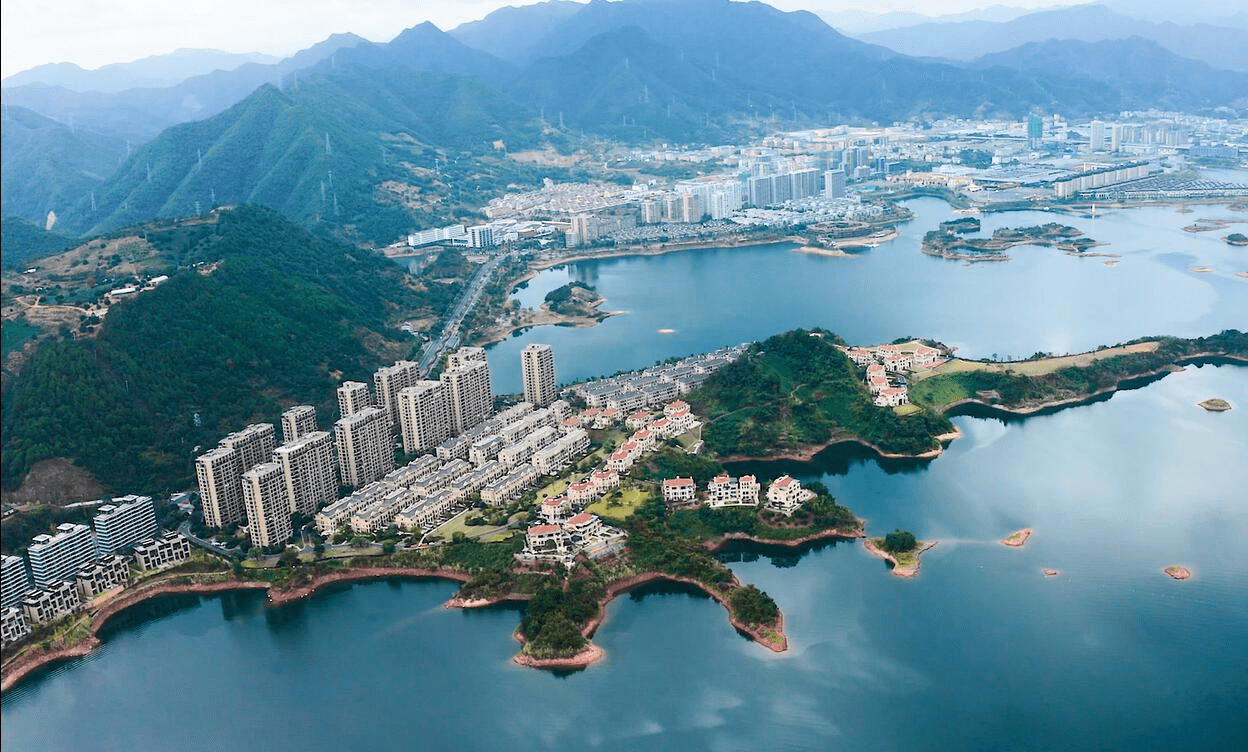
{"points": [[14, 582], [308, 471], [297, 421], [468, 394], [219, 471], [57, 557], [424, 416], [389, 381], [268, 508], [254, 444], [365, 452], [465, 356], [834, 184], [120, 525], [537, 367], [352, 398]]}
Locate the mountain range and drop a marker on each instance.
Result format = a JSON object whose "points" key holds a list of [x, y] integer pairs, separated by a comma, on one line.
{"points": [[370, 139], [1220, 47]]}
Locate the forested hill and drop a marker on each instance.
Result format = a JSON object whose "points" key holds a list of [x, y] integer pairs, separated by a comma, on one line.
{"points": [[797, 390], [275, 316]]}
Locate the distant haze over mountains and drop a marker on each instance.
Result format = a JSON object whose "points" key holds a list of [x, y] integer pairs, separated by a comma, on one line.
{"points": [[150, 72], [1220, 47], [367, 139]]}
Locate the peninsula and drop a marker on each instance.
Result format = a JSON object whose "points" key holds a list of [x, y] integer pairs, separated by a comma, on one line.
{"points": [[901, 550]]}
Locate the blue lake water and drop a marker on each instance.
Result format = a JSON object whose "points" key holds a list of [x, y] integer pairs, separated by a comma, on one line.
{"points": [[1041, 300], [980, 651]]}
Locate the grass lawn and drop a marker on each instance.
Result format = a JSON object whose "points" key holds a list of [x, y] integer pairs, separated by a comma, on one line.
{"points": [[938, 392], [904, 410], [1036, 367], [689, 438], [624, 508]]}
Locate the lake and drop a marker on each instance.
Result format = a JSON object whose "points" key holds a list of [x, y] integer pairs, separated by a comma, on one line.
{"points": [[1041, 300], [980, 651]]}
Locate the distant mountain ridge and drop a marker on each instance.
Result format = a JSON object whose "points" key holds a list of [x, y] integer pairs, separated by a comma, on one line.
{"points": [[1220, 47], [149, 72], [368, 140]]}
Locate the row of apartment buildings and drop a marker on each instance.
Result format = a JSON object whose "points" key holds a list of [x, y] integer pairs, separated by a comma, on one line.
{"points": [[82, 574], [246, 478]]}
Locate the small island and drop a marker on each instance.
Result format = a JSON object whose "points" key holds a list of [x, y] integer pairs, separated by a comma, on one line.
{"points": [[950, 242], [1017, 538], [574, 304], [1178, 572], [1215, 405], [901, 550], [1050, 572], [1237, 239]]}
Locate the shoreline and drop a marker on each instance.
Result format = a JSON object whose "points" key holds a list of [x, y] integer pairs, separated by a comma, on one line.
{"points": [[896, 570], [1017, 539], [1061, 404], [37, 657], [807, 452], [662, 249]]}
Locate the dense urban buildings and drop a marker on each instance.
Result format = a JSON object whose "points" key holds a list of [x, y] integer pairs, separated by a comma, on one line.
{"points": [[537, 365]]}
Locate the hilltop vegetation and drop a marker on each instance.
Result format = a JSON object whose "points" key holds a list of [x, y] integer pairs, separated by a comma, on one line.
{"points": [[1014, 389], [796, 390], [275, 318]]}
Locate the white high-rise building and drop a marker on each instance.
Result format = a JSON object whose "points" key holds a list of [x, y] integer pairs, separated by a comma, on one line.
{"points": [[120, 525], [465, 356], [254, 444], [219, 472], [537, 367], [308, 471], [1096, 136], [14, 582], [57, 557], [389, 381], [365, 452], [268, 509], [424, 416], [468, 394], [297, 421], [352, 398]]}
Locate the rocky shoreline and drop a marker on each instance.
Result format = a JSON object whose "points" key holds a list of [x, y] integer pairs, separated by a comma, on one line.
{"points": [[1017, 538], [897, 570], [35, 658]]}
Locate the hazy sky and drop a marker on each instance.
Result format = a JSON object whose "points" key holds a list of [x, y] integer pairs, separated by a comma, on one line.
{"points": [[94, 33]]}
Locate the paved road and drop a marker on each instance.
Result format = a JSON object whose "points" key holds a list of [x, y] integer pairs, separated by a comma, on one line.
{"points": [[450, 337]]}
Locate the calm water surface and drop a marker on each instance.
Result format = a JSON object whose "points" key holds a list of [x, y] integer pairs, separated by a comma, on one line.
{"points": [[1042, 300], [981, 651]]}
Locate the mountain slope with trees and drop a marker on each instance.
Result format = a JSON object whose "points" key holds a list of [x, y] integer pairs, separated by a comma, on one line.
{"points": [[276, 317]]}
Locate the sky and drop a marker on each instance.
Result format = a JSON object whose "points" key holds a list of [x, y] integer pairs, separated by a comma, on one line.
{"points": [[92, 33]]}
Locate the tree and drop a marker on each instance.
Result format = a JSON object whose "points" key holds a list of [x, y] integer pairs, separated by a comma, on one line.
{"points": [[289, 558], [899, 541]]}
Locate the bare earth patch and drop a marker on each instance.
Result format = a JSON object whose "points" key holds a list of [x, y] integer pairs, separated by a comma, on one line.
{"points": [[56, 481]]}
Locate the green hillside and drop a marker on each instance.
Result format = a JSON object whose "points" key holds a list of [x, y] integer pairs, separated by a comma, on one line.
{"points": [[277, 316], [797, 390], [24, 242], [365, 153]]}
